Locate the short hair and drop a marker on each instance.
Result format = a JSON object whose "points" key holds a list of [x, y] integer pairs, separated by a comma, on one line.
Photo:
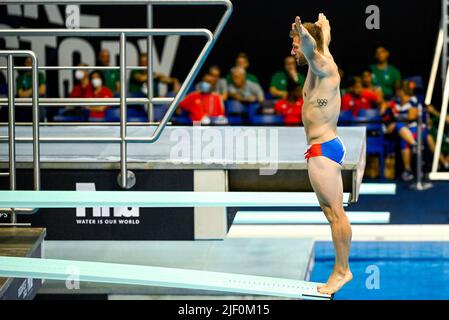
{"points": [[214, 67], [315, 32], [354, 80], [243, 55], [96, 72], [238, 70]]}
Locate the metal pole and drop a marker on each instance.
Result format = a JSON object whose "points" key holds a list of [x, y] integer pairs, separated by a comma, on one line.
{"points": [[36, 142], [11, 131], [150, 64], [419, 185], [123, 113]]}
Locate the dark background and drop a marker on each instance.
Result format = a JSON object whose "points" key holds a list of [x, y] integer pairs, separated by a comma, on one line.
{"points": [[407, 27]]}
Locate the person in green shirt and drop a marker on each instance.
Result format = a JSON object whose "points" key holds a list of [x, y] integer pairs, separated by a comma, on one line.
{"points": [[288, 78], [385, 75], [138, 80], [111, 77], [242, 61], [25, 90]]}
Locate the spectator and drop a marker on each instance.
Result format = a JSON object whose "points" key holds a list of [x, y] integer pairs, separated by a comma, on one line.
{"points": [[219, 85], [289, 78], [291, 106], [356, 98], [138, 80], [385, 75], [243, 89], [432, 125], [242, 61], [204, 105], [99, 90], [25, 90], [111, 77], [369, 86], [394, 115], [81, 89]]}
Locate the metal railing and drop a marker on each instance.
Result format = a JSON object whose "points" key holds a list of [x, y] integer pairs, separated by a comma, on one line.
{"points": [[125, 177], [10, 54]]}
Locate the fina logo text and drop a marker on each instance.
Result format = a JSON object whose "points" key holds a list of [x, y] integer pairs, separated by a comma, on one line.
{"points": [[105, 215]]}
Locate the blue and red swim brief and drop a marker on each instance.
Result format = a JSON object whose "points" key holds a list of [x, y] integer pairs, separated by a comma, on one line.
{"points": [[333, 149]]}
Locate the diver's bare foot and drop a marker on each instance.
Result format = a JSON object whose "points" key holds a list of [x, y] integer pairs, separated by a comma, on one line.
{"points": [[335, 282]]}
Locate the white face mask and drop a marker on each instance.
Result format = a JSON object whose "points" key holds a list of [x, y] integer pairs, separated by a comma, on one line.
{"points": [[79, 74], [96, 82]]}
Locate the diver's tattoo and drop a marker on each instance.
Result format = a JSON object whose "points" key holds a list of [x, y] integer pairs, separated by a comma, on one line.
{"points": [[322, 102]]}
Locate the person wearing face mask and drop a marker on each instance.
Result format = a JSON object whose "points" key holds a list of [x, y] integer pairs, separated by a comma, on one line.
{"points": [[204, 105], [99, 90], [82, 88]]}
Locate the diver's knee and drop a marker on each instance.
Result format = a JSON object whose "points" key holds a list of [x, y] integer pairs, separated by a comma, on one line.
{"points": [[334, 214]]}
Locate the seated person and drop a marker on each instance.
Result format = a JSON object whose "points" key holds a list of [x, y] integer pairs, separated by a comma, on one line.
{"points": [[243, 89], [111, 76], [99, 90], [219, 85], [138, 80], [289, 77], [356, 98], [433, 120], [81, 89], [384, 74], [370, 87], [291, 106], [242, 61], [204, 105], [25, 90], [394, 114]]}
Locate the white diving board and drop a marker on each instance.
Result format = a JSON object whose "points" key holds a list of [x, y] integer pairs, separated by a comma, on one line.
{"points": [[306, 217], [162, 199], [157, 276], [377, 189]]}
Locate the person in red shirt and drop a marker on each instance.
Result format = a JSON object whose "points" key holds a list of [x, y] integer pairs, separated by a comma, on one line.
{"points": [[82, 89], [99, 90], [204, 105], [291, 106], [357, 98]]}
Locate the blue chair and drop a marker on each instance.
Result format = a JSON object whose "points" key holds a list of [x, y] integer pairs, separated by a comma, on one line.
{"points": [[235, 120], [159, 112], [181, 120], [375, 140], [133, 115], [234, 107], [346, 118], [370, 114], [63, 115], [267, 119]]}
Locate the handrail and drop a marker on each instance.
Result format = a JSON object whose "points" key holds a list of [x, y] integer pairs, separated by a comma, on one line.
{"points": [[123, 33], [56, 102], [11, 120], [113, 32]]}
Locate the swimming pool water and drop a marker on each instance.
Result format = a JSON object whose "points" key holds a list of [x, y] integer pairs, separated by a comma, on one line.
{"points": [[390, 270]]}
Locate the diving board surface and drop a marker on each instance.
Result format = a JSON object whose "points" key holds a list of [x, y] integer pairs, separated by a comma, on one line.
{"points": [[160, 199], [157, 276]]}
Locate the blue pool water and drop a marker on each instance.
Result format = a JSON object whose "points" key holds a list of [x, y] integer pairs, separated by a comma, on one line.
{"points": [[390, 270]]}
